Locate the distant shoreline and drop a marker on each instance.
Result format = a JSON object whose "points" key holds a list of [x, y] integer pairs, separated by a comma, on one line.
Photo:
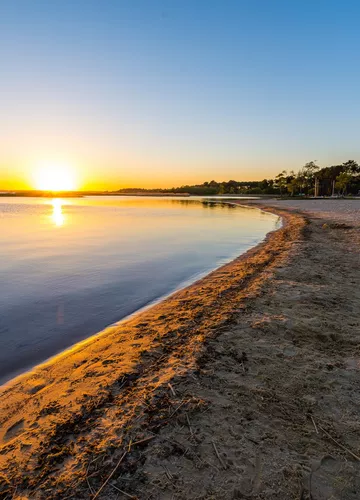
{"points": [[53, 194], [149, 194]]}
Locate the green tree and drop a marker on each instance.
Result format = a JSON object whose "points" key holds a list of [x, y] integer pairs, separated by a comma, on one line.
{"points": [[351, 166], [293, 186], [280, 181], [307, 175], [342, 181]]}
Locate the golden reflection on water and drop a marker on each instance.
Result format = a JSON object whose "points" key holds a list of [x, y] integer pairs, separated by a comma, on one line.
{"points": [[57, 215]]}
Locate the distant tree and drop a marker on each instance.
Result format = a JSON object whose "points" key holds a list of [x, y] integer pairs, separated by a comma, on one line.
{"points": [[307, 176], [280, 181], [213, 184], [345, 177], [311, 167], [328, 177], [264, 185], [342, 181], [351, 166], [231, 186], [293, 186]]}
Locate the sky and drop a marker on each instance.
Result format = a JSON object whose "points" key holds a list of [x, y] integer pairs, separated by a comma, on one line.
{"points": [[160, 93]]}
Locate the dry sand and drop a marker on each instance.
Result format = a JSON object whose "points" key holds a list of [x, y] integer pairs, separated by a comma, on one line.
{"points": [[244, 385], [344, 210]]}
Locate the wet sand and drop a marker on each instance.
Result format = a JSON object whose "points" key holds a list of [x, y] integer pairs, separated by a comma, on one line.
{"points": [[244, 385]]}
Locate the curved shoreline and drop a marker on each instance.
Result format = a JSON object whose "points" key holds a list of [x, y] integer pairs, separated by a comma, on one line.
{"points": [[62, 318], [85, 385], [182, 286]]}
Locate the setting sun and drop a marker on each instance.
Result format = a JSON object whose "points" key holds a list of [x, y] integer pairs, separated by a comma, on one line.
{"points": [[55, 178]]}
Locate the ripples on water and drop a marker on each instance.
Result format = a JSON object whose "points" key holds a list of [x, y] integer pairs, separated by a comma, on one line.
{"points": [[71, 267]]}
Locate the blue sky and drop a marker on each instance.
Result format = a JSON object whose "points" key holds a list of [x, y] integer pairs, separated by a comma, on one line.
{"points": [[169, 92]]}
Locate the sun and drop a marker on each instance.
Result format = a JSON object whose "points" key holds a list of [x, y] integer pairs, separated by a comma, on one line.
{"points": [[55, 177]]}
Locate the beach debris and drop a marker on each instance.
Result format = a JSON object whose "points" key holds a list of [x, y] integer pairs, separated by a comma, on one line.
{"points": [[339, 444], [172, 390], [178, 407], [131, 445], [218, 455], [188, 422], [123, 492], [110, 476], [168, 473], [314, 424], [87, 480], [142, 441]]}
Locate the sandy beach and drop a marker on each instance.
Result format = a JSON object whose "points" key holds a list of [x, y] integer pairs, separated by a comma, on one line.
{"points": [[243, 385]]}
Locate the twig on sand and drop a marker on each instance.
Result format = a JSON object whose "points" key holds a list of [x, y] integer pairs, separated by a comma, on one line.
{"points": [[188, 422], [110, 476], [168, 473], [178, 408], [172, 390], [145, 440], [339, 444], [87, 480], [211, 465], [130, 445], [123, 492], [314, 424], [218, 455]]}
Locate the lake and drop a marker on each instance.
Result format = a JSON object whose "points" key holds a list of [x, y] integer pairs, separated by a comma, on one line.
{"points": [[71, 267]]}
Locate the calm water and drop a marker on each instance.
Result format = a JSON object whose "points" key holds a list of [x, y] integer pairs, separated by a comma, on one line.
{"points": [[68, 268]]}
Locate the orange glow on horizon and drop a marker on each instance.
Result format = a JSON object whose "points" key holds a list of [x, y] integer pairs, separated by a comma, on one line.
{"points": [[74, 173]]}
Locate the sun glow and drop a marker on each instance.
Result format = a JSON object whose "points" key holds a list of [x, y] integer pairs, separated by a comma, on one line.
{"points": [[55, 178]]}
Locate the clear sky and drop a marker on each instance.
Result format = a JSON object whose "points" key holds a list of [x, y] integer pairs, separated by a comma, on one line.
{"points": [[168, 92]]}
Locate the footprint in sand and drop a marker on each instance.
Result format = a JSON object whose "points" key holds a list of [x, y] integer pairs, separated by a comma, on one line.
{"points": [[36, 388], [14, 430]]}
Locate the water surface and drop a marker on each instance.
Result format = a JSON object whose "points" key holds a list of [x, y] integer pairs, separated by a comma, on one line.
{"points": [[68, 268]]}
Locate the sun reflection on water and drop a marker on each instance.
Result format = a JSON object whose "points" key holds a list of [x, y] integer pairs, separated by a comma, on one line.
{"points": [[57, 215]]}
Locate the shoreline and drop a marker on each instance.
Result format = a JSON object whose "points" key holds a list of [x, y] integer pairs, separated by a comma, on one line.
{"points": [[124, 353], [182, 286]]}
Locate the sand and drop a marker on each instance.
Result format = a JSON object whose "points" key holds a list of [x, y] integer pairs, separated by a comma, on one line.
{"points": [[345, 210], [244, 385]]}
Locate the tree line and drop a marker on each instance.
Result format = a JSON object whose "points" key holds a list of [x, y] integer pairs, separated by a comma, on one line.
{"points": [[310, 180]]}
